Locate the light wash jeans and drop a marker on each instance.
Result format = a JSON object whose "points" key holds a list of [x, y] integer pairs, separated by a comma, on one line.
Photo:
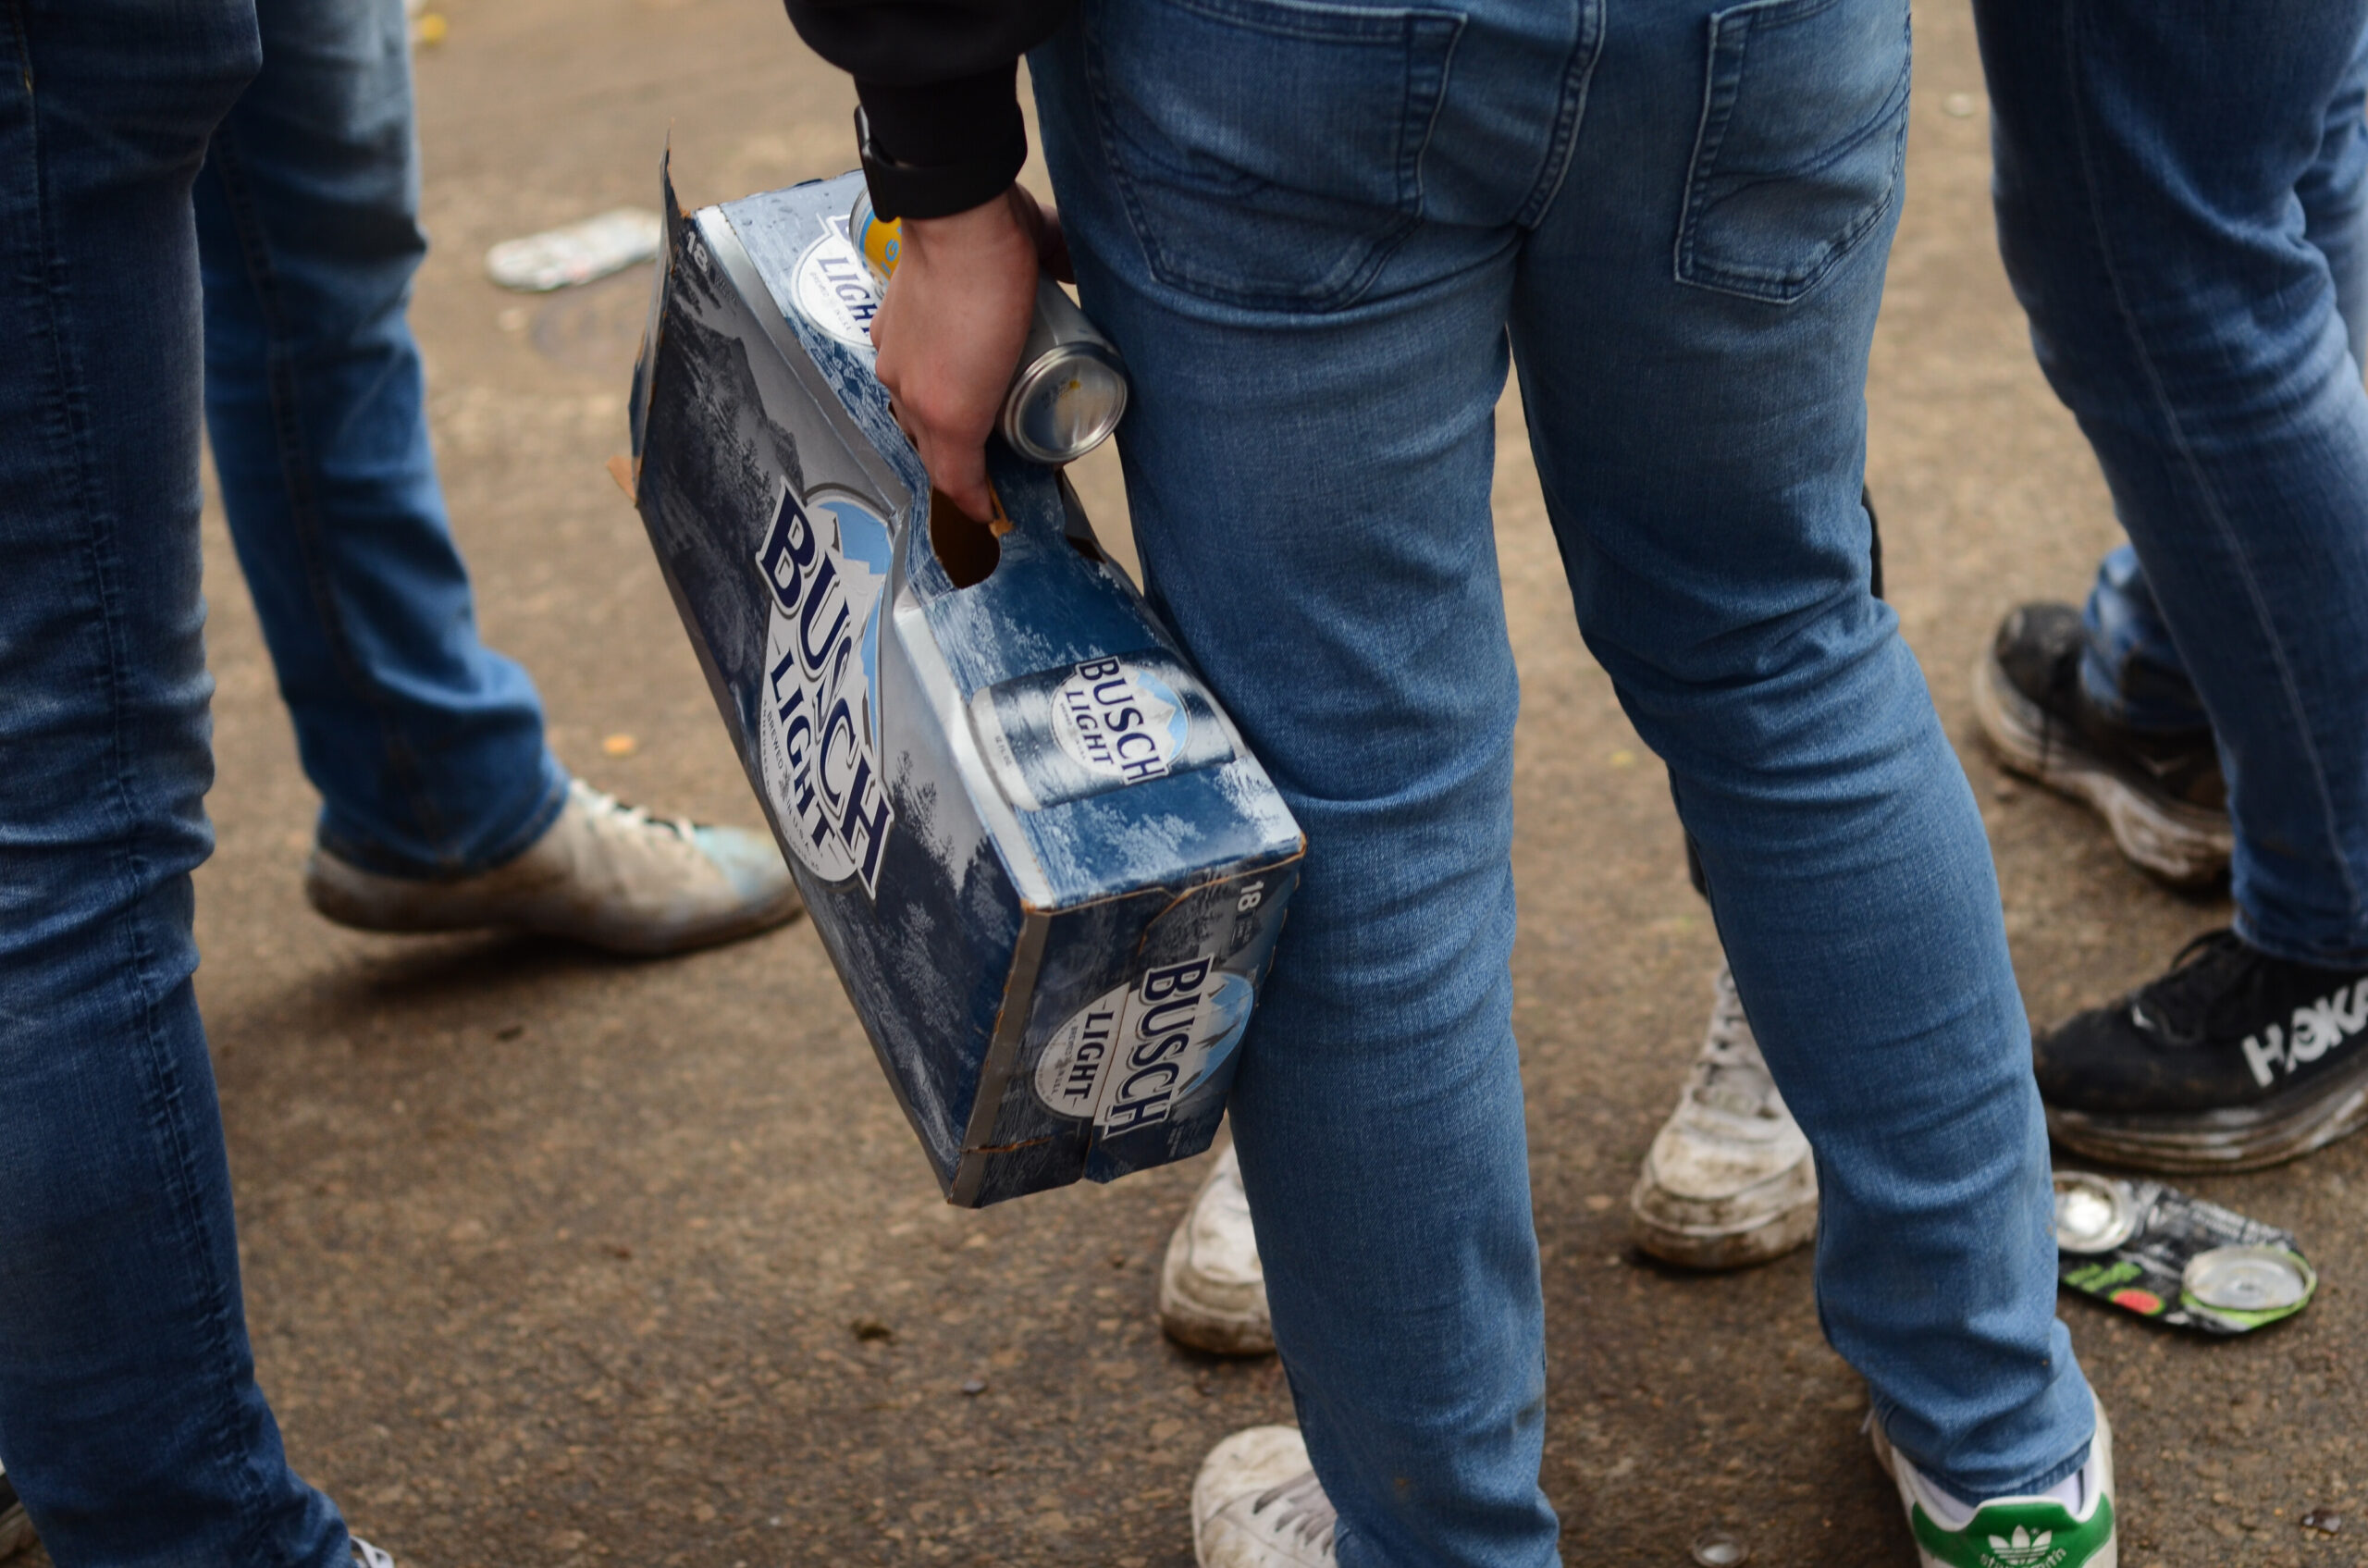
{"points": [[129, 1417], [2182, 197], [1319, 232]]}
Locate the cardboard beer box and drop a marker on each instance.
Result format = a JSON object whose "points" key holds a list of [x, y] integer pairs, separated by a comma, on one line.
{"points": [[1048, 870]]}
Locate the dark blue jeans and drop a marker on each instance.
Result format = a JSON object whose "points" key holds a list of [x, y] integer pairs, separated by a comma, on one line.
{"points": [[130, 1417], [426, 747], [2182, 194]]}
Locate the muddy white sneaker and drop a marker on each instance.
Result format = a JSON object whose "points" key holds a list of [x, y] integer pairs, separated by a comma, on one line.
{"points": [[1257, 1504], [16, 1529], [2069, 1525], [605, 873], [1729, 1182], [1211, 1289]]}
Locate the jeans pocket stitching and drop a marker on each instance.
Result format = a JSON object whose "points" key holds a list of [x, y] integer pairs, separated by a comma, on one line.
{"points": [[1722, 88], [1426, 34]]}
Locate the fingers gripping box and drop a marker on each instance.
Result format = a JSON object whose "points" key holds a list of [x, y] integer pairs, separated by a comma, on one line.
{"points": [[1049, 873]]}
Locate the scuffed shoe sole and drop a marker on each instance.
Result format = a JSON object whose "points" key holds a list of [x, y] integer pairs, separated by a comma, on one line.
{"points": [[1715, 1246], [359, 900], [1197, 1325], [1190, 1312], [2250, 1137], [2185, 846]]}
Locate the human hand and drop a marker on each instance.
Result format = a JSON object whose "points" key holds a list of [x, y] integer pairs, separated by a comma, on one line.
{"points": [[950, 328]]}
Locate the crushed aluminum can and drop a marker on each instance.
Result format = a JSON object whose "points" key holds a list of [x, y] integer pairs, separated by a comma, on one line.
{"points": [[2252, 1282], [578, 253], [2093, 1213], [2183, 1262]]}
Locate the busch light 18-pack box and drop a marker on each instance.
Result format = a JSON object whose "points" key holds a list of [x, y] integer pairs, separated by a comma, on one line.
{"points": [[1049, 873]]}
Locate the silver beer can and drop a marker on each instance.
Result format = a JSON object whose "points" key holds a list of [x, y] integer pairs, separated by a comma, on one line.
{"points": [[1071, 389]]}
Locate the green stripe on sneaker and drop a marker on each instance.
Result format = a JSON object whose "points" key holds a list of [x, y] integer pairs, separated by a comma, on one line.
{"points": [[2017, 1535]]}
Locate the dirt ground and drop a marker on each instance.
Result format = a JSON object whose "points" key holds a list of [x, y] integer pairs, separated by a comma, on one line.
{"points": [[554, 1260]]}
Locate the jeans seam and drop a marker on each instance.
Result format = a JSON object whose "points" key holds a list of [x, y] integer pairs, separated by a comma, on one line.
{"points": [[2214, 510], [302, 503], [1562, 149], [164, 1093]]}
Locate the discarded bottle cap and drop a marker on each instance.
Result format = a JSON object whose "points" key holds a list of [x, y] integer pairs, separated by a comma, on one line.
{"points": [[2248, 1280], [1720, 1549], [2093, 1213]]}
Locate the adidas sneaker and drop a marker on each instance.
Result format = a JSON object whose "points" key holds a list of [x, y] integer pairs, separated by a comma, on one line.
{"points": [[2160, 791], [2071, 1526], [2230, 1061]]}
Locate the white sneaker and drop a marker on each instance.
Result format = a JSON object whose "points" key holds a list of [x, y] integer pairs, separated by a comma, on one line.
{"points": [[2072, 1525], [607, 875], [369, 1556], [1212, 1289], [1257, 1504], [1729, 1182]]}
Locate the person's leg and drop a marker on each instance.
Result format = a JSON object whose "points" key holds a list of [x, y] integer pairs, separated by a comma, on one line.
{"points": [[1308, 458], [2185, 303], [1700, 430], [2132, 670], [2180, 209], [442, 806], [129, 1419], [426, 747]]}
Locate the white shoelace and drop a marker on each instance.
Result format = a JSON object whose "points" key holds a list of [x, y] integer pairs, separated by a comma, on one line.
{"points": [[1306, 1513], [1731, 1053], [608, 809]]}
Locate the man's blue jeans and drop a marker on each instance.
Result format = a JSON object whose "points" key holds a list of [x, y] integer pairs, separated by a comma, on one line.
{"points": [[128, 1413], [2182, 197], [1318, 232], [428, 748]]}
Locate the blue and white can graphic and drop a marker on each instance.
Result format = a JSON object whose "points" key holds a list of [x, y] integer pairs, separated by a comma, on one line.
{"points": [[1103, 724], [1134, 1055]]}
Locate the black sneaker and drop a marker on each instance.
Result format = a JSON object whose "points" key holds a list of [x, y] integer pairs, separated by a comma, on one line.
{"points": [[16, 1529], [2231, 1061], [2160, 791]]}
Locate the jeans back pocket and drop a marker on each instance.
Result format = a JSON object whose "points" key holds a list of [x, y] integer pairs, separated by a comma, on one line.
{"points": [[1269, 152], [1803, 140]]}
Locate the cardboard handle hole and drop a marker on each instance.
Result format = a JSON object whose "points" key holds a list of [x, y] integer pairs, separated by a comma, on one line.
{"points": [[968, 550]]}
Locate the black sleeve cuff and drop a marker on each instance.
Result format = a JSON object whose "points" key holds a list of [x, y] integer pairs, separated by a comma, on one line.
{"points": [[931, 151]]}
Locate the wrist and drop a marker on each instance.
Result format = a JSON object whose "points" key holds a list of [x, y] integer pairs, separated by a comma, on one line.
{"points": [[992, 225]]}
